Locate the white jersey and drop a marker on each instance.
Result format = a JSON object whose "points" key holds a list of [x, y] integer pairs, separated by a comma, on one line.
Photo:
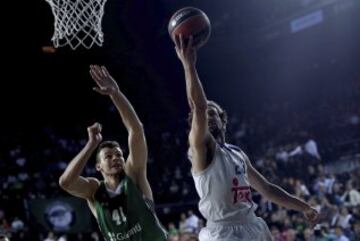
{"points": [[224, 189]]}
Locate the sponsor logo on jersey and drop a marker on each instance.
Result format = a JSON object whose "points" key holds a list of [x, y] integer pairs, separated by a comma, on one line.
{"points": [[125, 235], [240, 193]]}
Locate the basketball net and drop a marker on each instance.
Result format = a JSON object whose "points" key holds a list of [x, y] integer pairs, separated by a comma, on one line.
{"points": [[77, 22]]}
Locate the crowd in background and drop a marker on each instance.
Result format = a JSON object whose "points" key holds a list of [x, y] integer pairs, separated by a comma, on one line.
{"points": [[313, 154]]}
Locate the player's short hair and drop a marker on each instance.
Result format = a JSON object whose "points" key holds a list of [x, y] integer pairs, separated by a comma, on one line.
{"points": [[105, 144], [221, 111]]}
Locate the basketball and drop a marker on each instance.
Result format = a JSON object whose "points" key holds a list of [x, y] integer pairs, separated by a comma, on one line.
{"points": [[190, 21]]}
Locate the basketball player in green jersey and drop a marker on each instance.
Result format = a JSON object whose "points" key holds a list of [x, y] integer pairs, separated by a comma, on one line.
{"points": [[123, 202]]}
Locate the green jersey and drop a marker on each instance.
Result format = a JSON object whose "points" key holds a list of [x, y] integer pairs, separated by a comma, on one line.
{"points": [[127, 216]]}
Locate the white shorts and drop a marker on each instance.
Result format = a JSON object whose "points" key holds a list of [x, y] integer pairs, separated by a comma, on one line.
{"points": [[254, 230]]}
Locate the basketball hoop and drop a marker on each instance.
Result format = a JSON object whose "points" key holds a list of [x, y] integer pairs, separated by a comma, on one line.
{"points": [[77, 22]]}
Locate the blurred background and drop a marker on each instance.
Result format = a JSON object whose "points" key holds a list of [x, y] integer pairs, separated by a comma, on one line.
{"points": [[287, 73]]}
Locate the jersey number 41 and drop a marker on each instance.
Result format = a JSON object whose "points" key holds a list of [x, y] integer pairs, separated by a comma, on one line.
{"points": [[118, 216]]}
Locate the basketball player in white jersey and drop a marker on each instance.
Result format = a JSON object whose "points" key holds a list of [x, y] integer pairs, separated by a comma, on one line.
{"points": [[223, 173]]}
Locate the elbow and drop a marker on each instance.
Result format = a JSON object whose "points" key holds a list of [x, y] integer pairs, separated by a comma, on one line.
{"points": [[138, 128], [198, 102], [64, 183]]}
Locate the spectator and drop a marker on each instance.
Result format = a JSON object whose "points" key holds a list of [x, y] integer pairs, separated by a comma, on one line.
{"points": [[312, 149], [50, 237], [339, 234], [17, 225], [192, 221], [173, 232], [351, 196], [4, 236]]}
